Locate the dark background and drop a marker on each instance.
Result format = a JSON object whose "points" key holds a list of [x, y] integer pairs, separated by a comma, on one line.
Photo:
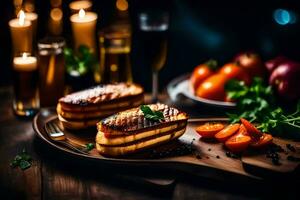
{"points": [[199, 30]]}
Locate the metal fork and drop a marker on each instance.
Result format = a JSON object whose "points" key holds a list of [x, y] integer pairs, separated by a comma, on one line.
{"points": [[58, 136]]}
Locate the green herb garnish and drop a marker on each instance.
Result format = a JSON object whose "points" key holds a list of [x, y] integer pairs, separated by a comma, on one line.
{"points": [[152, 115], [22, 160], [256, 103], [79, 62], [89, 146]]}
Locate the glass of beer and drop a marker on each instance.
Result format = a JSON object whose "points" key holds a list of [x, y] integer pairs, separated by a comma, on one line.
{"points": [[25, 76], [51, 70], [115, 47], [154, 27]]}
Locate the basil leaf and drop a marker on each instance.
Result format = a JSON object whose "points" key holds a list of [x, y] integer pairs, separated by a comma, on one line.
{"points": [[21, 160], [90, 146], [151, 115], [24, 164]]}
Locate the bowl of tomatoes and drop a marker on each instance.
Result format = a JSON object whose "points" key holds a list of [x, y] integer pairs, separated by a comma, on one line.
{"points": [[206, 84]]}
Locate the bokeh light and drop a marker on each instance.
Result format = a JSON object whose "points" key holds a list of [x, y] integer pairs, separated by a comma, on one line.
{"points": [[284, 17]]}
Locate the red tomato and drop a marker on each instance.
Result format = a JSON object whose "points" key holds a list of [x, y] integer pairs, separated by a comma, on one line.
{"points": [[233, 71], [263, 141], [227, 132], [200, 73], [252, 63], [208, 130], [251, 129], [213, 87], [238, 143]]}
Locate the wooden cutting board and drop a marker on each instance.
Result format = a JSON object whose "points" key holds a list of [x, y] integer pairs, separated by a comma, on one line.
{"points": [[259, 158], [189, 151]]}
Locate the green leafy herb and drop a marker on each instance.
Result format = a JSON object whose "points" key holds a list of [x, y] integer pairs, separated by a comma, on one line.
{"points": [[79, 62], [89, 146], [22, 160], [152, 115], [256, 103]]}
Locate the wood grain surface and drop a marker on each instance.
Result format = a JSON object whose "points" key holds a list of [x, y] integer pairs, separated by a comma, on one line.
{"points": [[55, 175]]}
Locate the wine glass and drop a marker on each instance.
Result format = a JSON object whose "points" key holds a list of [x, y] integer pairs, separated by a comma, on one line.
{"points": [[154, 27]]}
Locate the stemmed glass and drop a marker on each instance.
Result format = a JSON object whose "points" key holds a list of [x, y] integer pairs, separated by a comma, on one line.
{"points": [[154, 27]]}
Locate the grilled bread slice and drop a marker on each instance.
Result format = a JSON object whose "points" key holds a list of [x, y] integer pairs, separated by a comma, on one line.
{"points": [[102, 97], [129, 131], [85, 108]]}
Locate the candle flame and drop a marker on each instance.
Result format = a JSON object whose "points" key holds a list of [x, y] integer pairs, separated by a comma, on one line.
{"points": [[21, 16], [81, 13], [24, 55]]}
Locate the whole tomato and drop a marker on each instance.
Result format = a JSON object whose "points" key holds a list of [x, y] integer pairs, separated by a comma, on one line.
{"points": [[201, 72], [213, 87], [233, 71], [252, 63]]}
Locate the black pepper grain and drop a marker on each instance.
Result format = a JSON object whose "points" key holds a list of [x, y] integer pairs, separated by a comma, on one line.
{"points": [[290, 147], [218, 156], [293, 158]]}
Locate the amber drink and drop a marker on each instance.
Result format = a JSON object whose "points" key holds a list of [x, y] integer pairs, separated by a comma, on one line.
{"points": [[51, 71]]}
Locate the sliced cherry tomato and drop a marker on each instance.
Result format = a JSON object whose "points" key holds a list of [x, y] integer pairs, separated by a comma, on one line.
{"points": [[240, 141], [233, 71], [213, 87], [243, 130], [251, 129], [227, 132], [263, 141], [208, 130], [201, 72]]}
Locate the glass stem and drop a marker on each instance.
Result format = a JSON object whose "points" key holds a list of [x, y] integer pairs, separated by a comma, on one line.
{"points": [[154, 86]]}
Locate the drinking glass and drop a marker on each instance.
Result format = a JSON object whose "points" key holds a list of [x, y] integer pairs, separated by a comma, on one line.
{"points": [[51, 70], [154, 27], [25, 76], [115, 47]]}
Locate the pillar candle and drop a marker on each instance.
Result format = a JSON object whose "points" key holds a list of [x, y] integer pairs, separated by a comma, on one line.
{"points": [[21, 34], [84, 29], [25, 63]]}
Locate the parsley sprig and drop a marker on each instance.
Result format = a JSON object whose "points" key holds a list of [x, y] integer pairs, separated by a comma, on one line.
{"points": [[22, 160], [152, 115], [81, 61], [257, 104]]}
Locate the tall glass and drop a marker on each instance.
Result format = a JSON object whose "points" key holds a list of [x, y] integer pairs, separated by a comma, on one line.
{"points": [[154, 27], [25, 76], [51, 70], [115, 65]]}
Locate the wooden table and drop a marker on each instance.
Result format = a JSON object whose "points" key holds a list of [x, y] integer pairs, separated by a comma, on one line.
{"points": [[57, 176]]}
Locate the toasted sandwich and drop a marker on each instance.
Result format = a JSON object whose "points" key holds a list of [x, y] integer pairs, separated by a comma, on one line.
{"points": [[131, 130], [85, 108]]}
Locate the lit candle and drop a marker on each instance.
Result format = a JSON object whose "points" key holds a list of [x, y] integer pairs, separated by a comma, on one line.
{"points": [[84, 28], [21, 34], [32, 17], [25, 63], [75, 6]]}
